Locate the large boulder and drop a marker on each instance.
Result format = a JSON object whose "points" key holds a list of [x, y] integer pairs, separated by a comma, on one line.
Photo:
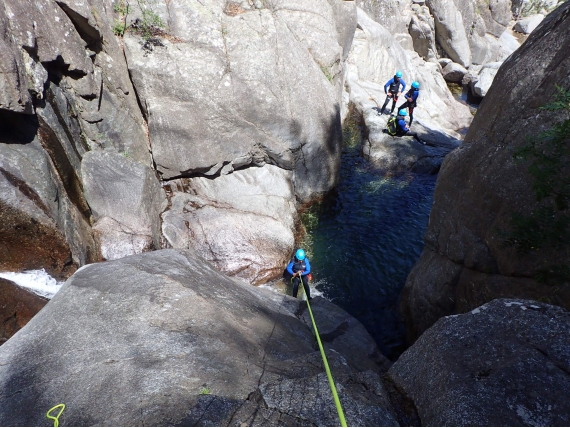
{"points": [[481, 83], [162, 338], [243, 81], [482, 191], [470, 31], [243, 222], [126, 200], [527, 25], [397, 155], [505, 363]]}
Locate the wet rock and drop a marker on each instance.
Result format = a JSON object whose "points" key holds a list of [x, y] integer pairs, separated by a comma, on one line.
{"points": [[17, 307]]}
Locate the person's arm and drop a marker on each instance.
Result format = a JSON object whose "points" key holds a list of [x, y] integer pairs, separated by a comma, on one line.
{"points": [[290, 268], [403, 85], [388, 84], [415, 95], [307, 266]]}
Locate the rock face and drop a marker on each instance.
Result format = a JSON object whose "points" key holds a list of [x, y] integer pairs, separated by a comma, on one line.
{"points": [[185, 345], [126, 200], [243, 222], [505, 363], [470, 31], [258, 87], [466, 261], [65, 91], [17, 307]]}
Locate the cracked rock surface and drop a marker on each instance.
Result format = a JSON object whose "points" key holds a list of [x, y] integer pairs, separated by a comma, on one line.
{"points": [[162, 338], [505, 363], [242, 222]]}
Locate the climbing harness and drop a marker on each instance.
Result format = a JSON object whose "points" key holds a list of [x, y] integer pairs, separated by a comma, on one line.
{"points": [[326, 364], [55, 418]]}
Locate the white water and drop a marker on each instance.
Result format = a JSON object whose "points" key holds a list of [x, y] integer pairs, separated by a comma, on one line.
{"points": [[37, 281]]}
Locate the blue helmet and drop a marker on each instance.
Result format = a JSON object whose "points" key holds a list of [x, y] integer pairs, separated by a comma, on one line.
{"points": [[416, 85], [398, 74], [300, 254], [403, 112]]}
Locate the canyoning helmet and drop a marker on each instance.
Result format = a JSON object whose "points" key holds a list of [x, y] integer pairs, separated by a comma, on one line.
{"points": [[403, 112], [416, 85], [398, 74], [300, 254]]}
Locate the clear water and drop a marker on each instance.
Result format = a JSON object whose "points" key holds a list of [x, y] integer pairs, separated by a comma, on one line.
{"points": [[363, 241]]}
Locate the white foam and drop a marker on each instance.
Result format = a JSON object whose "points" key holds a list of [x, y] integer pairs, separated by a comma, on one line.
{"points": [[37, 281]]}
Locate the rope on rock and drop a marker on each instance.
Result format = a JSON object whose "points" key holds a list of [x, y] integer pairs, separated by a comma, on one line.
{"points": [[326, 364], [55, 418]]}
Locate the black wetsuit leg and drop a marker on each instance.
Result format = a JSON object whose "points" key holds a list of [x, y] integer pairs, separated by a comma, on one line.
{"points": [[306, 286], [296, 281], [389, 96]]}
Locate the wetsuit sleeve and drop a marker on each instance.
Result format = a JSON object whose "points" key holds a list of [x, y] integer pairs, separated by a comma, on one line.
{"points": [[290, 268], [403, 84], [388, 84], [307, 267], [403, 126]]}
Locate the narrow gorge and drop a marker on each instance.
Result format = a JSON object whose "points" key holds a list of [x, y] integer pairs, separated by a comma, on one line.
{"points": [[162, 160]]}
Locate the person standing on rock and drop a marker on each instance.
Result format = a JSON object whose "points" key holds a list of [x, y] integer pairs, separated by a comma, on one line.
{"points": [[299, 268], [411, 100], [392, 90]]}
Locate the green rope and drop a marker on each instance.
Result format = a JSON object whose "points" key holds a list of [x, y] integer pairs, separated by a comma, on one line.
{"points": [[326, 364], [55, 418]]}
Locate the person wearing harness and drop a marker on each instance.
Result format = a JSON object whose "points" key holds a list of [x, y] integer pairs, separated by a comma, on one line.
{"points": [[299, 268], [411, 100], [403, 129], [392, 90]]}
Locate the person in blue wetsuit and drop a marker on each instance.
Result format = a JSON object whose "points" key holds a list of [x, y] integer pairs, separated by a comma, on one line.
{"points": [[300, 268], [411, 100], [392, 90], [402, 127]]}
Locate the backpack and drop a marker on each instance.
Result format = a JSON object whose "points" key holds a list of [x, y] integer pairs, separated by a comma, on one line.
{"points": [[392, 125]]}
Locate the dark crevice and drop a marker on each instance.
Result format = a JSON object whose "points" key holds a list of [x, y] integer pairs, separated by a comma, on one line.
{"points": [[71, 182], [23, 187], [88, 33]]}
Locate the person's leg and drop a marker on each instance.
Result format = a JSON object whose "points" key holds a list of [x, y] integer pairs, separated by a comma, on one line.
{"points": [[388, 97], [411, 109], [296, 281], [394, 99], [306, 286]]}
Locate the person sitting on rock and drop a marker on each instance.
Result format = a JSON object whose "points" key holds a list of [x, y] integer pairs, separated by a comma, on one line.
{"points": [[300, 268], [392, 90], [411, 100], [402, 129]]}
